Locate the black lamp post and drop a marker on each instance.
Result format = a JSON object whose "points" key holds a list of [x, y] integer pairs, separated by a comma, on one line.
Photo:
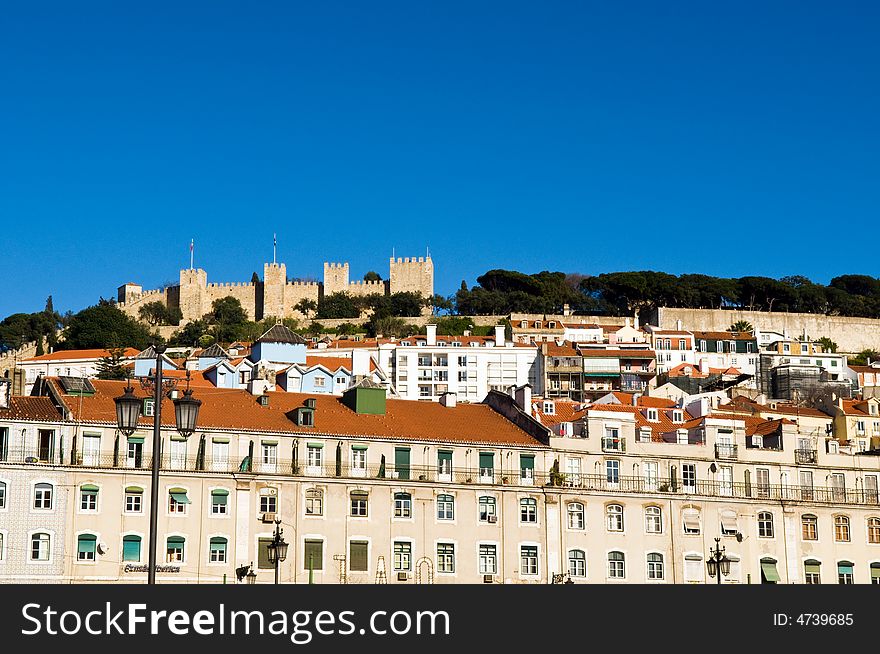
{"points": [[718, 563], [277, 548], [247, 573], [128, 411]]}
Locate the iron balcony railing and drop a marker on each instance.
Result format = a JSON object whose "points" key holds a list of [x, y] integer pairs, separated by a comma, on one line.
{"points": [[611, 444], [434, 474], [806, 456], [726, 452]]}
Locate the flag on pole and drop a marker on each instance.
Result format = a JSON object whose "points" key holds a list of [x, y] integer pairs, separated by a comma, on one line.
{"points": [[274, 244], [192, 245]]}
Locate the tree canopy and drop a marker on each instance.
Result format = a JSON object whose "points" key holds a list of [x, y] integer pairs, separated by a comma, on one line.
{"points": [[104, 326]]}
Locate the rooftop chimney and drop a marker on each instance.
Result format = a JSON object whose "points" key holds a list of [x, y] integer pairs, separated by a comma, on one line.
{"points": [[523, 398], [5, 389], [678, 325], [636, 322], [431, 331], [499, 335], [704, 366], [448, 399], [636, 397], [360, 361]]}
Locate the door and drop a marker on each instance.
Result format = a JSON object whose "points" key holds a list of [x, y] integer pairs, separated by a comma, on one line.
{"points": [[871, 489], [401, 462], [219, 456], [805, 477], [91, 450], [689, 477], [45, 444], [135, 455], [725, 480]]}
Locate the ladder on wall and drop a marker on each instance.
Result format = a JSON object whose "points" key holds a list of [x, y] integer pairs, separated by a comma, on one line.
{"points": [[381, 577]]}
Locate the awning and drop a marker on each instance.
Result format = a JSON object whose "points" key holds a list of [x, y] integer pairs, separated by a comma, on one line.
{"points": [[875, 571], [89, 489], [444, 455], [728, 522], [487, 460], [179, 495], [812, 566], [218, 439], [178, 437], [359, 447], [691, 520], [134, 489], [219, 496], [316, 444], [768, 569], [87, 543], [845, 568], [272, 442], [527, 461], [136, 439]]}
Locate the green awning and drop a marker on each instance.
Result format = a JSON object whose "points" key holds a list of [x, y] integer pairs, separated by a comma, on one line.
{"points": [[131, 548], [875, 571], [812, 567], [136, 439], [316, 444], [845, 568], [218, 540], [219, 496], [134, 489], [176, 540], [218, 439], [178, 437], [359, 447], [769, 570], [272, 442], [89, 489], [87, 543], [179, 495]]}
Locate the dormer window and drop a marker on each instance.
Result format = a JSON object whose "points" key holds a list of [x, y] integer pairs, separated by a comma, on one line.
{"points": [[537, 324], [523, 324], [805, 348], [677, 416], [406, 343], [549, 408], [757, 441], [149, 407], [652, 415], [456, 343], [305, 416], [872, 409], [552, 324], [474, 344]]}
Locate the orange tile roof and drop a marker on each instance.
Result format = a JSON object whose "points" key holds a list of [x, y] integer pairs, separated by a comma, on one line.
{"points": [[404, 420], [663, 425], [331, 363], [856, 408], [724, 336], [566, 349], [618, 354], [73, 355], [743, 403], [564, 411], [31, 408], [197, 378]]}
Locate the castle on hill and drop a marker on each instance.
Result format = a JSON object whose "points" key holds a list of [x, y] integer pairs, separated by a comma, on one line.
{"points": [[274, 295]]}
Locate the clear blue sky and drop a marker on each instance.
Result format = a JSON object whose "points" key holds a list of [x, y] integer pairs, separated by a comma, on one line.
{"points": [[722, 138]]}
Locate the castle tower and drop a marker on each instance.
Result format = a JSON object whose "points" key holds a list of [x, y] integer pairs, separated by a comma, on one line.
{"points": [[411, 275], [274, 283], [128, 292], [335, 278], [193, 299]]}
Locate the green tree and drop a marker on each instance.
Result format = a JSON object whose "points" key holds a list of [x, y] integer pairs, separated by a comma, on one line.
{"points": [[105, 326], [338, 305], [306, 306], [864, 358], [228, 319], [827, 344], [741, 326], [191, 333], [113, 366], [154, 313], [372, 276], [440, 303], [390, 327]]}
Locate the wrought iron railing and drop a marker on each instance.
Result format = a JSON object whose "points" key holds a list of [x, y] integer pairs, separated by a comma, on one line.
{"points": [[806, 456], [727, 452]]}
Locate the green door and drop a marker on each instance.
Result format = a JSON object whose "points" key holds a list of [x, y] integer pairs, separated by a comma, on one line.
{"points": [[401, 462]]}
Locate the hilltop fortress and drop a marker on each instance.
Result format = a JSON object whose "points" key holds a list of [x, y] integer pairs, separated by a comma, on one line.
{"points": [[275, 296]]}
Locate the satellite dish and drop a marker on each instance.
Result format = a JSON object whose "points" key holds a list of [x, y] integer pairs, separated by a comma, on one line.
{"points": [[102, 548], [739, 537]]}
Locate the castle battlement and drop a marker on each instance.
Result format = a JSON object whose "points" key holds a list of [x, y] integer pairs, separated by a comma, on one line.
{"points": [[304, 284], [231, 285]]}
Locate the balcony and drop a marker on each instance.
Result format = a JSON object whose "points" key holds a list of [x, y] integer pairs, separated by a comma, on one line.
{"points": [[806, 456], [726, 452], [610, 444]]}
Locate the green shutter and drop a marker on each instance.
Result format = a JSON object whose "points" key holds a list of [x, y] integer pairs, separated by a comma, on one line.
{"points": [[444, 455], [357, 556], [87, 543], [269, 442], [178, 437], [487, 460], [217, 439], [527, 461], [401, 462], [89, 489], [875, 571], [219, 496], [769, 570], [359, 447], [845, 568], [136, 439], [131, 548], [179, 495], [314, 555], [218, 543], [812, 567], [316, 444], [263, 554], [134, 489]]}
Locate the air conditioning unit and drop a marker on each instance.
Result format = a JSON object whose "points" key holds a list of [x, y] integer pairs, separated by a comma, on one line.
{"points": [[402, 576], [493, 518], [268, 517], [488, 579]]}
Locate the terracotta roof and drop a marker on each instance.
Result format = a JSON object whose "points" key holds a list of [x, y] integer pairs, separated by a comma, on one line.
{"points": [[580, 325], [724, 336], [564, 350], [759, 427], [618, 354], [856, 408], [564, 411], [742, 403], [197, 378], [663, 425], [31, 408], [73, 355], [404, 420]]}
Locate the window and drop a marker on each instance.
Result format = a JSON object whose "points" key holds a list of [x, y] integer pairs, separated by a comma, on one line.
{"points": [[616, 565], [445, 507], [812, 574], [577, 563], [43, 496], [690, 519], [401, 462], [178, 455], [149, 407], [653, 520], [402, 505], [174, 550], [875, 573], [177, 500], [527, 467], [809, 527], [728, 523], [693, 569], [134, 498], [217, 550], [614, 517], [268, 503], [86, 546], [320, 381], [488, 560], [359, 458], [841, 528], [359, 503], [762, 479], [445, 557], [575, 515], [135, 452], [765, 524], [689, 477], [314, 455], [806, 482], [314, 554], [88, 497], [651, 471], [528, 510], [402, 557], [838, 487], [2, 494], [40, 546], [219, 455], [131, 548], [528, 559], [844, 572], [357, 556], [314, 502], [91, 452], [487, 509], [444, 462], [612, 472], [874, 530], [652, 415], [219, 496], [269, 456], [655, 566]]}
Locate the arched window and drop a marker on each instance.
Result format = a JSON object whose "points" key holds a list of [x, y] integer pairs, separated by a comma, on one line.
{"points": [[2, 494], [844, 572], [445, 507], [841, 528], [575, 515], [131, 548], [86, 546], [577, 563], [43, 496], [175, 549], [653, 520], [487, 509], [314, 501], [616, 565], [655, 566], [402, 505], [40, 547], [812, 572], [614, 517], [528, 510], [218, 549], [874, 530], [809, 527], [765, 524]]}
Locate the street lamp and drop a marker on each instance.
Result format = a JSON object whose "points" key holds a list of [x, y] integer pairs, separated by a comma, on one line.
{"points": [[277, 549], [128, 412], [718, 563], [247, 573]]}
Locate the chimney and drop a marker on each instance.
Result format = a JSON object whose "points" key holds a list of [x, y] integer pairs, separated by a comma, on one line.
{"points": [[448, 399], [636, 322], [636, 397], [499, 335], [360, 361], [523, 398], [5, 389], [259, 386], [566, 309], [704, 366], [431, 331], [678, 325]]}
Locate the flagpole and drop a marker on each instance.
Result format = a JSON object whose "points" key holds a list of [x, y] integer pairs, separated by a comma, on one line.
{"points": [[274, 244], [192, 244]]}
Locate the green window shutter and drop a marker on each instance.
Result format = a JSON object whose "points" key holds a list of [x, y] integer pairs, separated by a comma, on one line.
{"points": [[812, 567], [444, 455], [218, 540], [217, 439], [89, 489], [769, 570], [359, 447], [401, 462], [178, 437], [527, 461], [314, 555], [271, 442], [176, 540], [219, 496], [87, 543], [131, 548], [263, 554], [179, 495], [316, 444], [845, 568], [357, 556], [136, 439], [487, 460], [875, 571], [134, 489]]}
